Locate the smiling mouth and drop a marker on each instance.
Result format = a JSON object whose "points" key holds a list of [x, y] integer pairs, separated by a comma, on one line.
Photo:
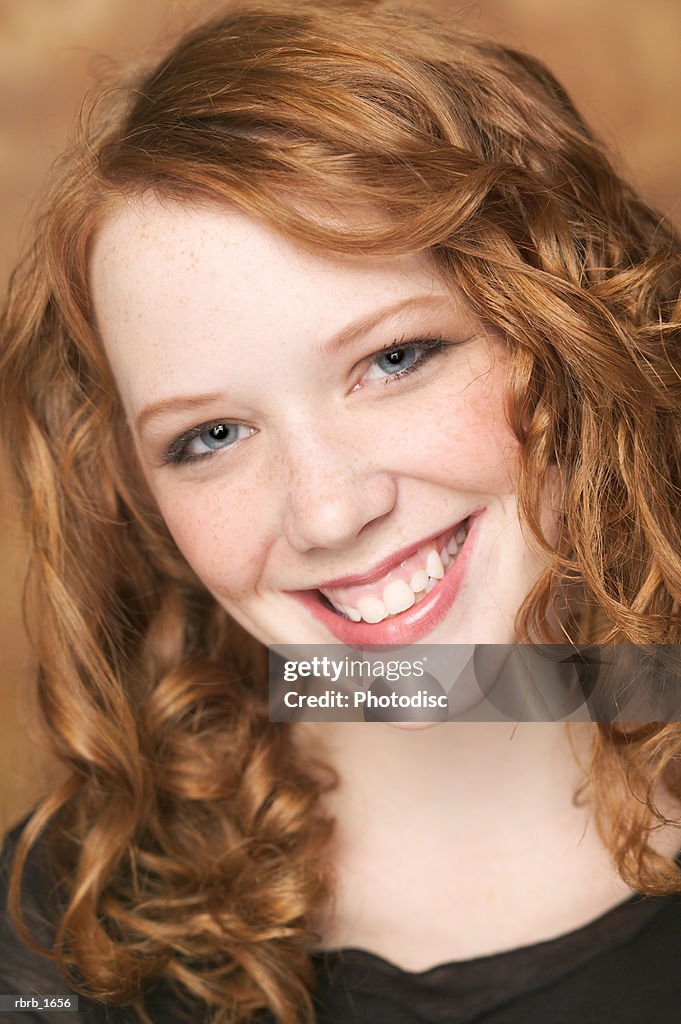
{"points": [[401, 587]]}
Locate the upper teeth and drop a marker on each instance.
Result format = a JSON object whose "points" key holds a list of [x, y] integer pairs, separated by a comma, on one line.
{"points": [[399, 594], [434, 566], [418, 581]]}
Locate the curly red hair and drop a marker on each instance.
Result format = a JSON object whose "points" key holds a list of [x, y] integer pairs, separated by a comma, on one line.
{"points": [[189, 837]]}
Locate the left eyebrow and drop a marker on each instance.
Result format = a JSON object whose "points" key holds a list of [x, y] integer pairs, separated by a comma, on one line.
{"points": [[366, 324]]}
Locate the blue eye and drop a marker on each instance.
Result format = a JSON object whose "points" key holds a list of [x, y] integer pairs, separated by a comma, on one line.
{"points": [[403, 357], [397, 360], [205, 440], [219, 436]]}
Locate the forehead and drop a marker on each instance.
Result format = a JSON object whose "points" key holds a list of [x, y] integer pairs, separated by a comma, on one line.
{"points": [[170, 282], [149, 246]]}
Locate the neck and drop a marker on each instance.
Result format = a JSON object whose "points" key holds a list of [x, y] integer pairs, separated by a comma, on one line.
{"points": [[471, 822], [456, 767]]}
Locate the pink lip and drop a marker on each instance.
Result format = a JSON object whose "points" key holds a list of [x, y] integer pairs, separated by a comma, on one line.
{"points": [[408, 626], [381, 568]]}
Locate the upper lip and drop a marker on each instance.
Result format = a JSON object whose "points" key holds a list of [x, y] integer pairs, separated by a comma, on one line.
{"points": [[386, 564]]}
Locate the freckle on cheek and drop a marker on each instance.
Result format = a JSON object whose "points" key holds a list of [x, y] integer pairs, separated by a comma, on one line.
{"points": [[219, 542]]}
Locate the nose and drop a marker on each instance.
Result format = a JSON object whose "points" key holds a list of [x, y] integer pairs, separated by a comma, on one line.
{"points": [[334, 490]]}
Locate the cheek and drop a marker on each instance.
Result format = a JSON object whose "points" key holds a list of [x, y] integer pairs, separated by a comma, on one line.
{"points": [[462, 439], [220, 532]]}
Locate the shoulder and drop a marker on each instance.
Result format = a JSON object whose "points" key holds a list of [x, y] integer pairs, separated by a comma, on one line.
{"points": [[22, 971], [17, 960]]}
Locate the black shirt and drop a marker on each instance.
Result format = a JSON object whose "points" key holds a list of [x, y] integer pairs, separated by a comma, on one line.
{"points": [[624, 967]]}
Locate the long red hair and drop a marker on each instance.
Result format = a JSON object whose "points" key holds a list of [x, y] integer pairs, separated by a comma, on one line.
{"points": [[188, 836]]}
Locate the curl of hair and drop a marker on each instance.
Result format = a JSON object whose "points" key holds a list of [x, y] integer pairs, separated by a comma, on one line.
{"points": [[188, 835]]}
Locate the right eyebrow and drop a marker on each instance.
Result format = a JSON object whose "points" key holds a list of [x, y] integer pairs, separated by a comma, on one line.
{"points": [[175, 403]]}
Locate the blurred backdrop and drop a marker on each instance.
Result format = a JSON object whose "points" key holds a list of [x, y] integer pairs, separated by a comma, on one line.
{"points": [[618, 58]]}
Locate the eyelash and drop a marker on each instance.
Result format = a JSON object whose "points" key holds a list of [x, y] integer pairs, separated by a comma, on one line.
{"points": [[428, 345]]}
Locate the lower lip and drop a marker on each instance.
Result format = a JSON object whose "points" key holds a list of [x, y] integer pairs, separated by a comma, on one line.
{"points": [[410, 625]]}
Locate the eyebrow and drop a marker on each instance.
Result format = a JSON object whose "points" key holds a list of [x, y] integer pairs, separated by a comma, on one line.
{"points": [[344, 337], [177, 403], [369, 323]]}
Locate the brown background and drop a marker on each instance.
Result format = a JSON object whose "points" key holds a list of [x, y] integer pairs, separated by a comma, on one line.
{"points": [[618, 58]]}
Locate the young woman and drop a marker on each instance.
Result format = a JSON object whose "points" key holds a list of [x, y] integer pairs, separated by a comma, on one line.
{"points": [[335, 298]]}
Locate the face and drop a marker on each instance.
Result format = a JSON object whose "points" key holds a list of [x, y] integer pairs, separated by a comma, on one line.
{"points": [[324, 435]]}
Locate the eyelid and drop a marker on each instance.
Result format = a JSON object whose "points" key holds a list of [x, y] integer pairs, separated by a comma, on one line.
{"points": [[175, 453], [429, 345]]}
